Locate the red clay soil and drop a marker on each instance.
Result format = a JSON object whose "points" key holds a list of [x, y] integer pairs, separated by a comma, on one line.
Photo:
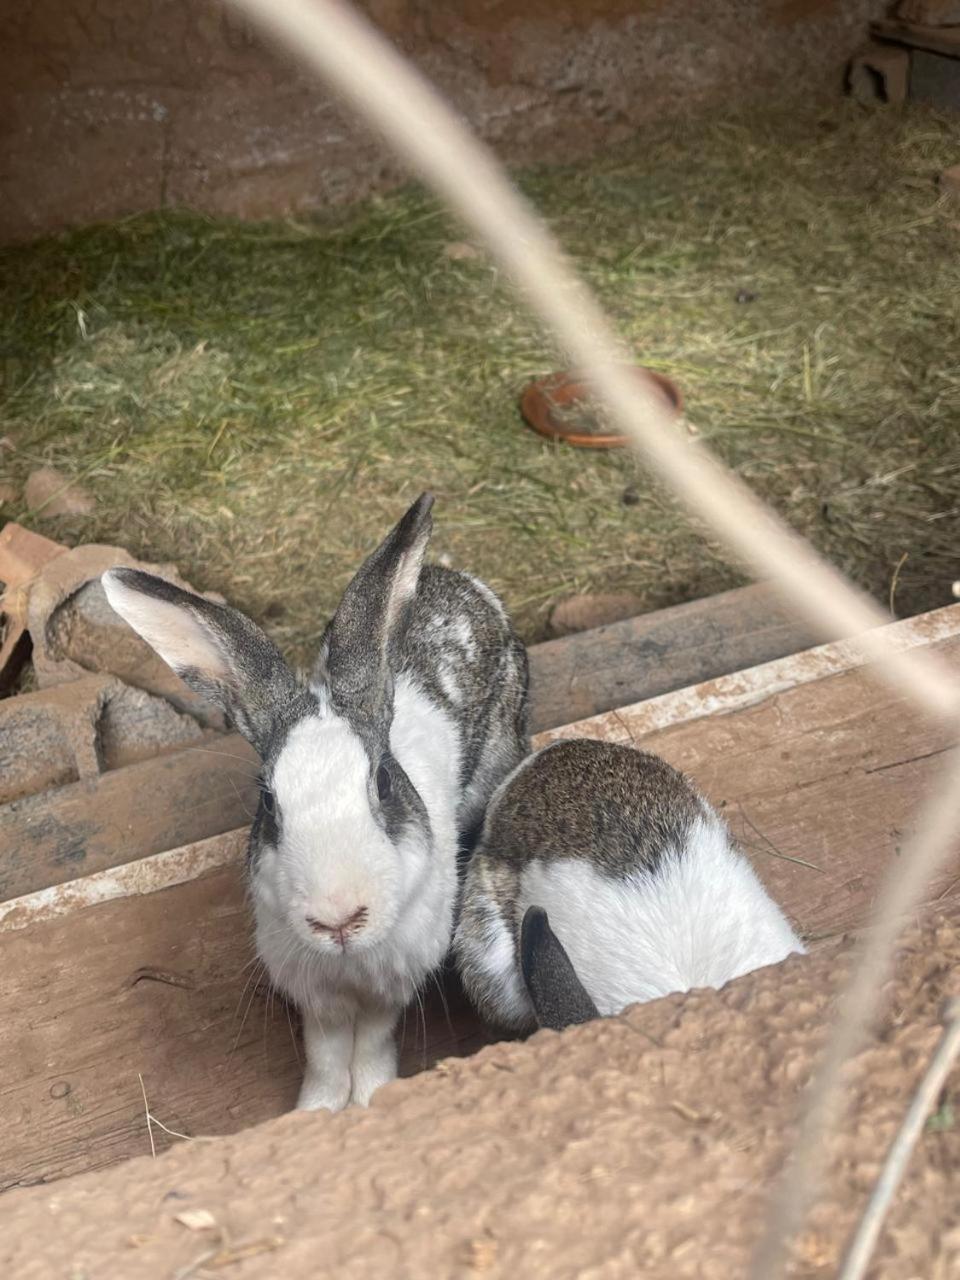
{"points": [[639, 1146]]}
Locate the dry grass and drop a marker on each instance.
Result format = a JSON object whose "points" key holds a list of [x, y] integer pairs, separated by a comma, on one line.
{"points": [[258, 402]]}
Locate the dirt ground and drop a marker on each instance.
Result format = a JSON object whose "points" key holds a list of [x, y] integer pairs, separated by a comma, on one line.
{"points": [[643, 1145]]}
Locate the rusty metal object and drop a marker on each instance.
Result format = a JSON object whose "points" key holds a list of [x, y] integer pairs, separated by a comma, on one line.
{"points": [[543, 397]]}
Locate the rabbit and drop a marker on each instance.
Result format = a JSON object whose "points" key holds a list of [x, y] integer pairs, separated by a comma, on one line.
{"points": [[603, 879], [374, 772]]}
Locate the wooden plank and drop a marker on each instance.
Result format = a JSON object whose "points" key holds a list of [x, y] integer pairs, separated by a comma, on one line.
{"points": [[945, 40], [745, 688], [583, 675], [185, 796], [89, 826], [164, 987], [626, 724], [129, 880], [829, 772], [144, 808]]}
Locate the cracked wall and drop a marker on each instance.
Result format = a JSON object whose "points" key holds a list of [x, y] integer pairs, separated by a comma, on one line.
{"points": [[118, 106]]}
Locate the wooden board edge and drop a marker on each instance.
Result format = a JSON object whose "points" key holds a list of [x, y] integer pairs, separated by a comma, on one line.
{"points": [[916, 35], [754, 684], [142, 876], [713, 697], [762, 591]]}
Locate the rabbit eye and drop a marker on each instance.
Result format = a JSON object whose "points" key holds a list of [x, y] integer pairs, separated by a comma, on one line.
{"points": [[383, 782], [269, 804]]}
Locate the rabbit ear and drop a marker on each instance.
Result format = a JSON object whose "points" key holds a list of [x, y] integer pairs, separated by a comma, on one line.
{"points": [[559, 998], [215, 650], [366, 632]]}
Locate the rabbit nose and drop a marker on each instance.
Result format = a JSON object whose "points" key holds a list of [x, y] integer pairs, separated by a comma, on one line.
{"points": [[341, 931]]}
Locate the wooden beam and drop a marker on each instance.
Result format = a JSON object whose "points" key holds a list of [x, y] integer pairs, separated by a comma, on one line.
{"points": [[717, 697], [945, 40], [625, 662], [181, 797], [126, 814], [741, 689]]}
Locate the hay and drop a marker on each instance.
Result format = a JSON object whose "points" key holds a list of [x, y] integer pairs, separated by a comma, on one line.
{"points": [[256, 402]]}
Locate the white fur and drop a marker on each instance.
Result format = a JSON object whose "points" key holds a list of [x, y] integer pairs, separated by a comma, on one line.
{"points": [[176, 634], [333, 858], [488, 594], [461, 633], [348, 1059], [700, 920], [447, 677], [486, 947], [477, 798], [405, 581]]}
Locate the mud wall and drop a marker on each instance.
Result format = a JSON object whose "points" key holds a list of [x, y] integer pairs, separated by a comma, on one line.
{"points": [[116, 106]]}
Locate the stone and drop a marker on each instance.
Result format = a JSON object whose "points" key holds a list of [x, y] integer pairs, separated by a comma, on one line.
{"points": [[8, 494], [75, 633], [52, 737], [136, 725], [49, 738], [879, 73], [460, 250], [950, 182], [22, 555], [50, 493], [584, 612], [930, 13]]}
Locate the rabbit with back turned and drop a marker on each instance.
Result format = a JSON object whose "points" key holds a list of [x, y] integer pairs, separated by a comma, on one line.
{"points": [[603, 879], [373, 774]]}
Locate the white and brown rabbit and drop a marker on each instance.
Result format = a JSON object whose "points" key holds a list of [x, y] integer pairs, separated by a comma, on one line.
{"points": [[373, 773], [603, 879]]}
